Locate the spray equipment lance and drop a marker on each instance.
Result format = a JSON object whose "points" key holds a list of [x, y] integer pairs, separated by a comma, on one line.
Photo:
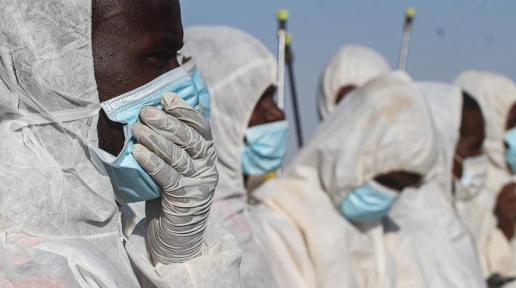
{"points": [[289, 59], [410, 14], [286, 60], [282, 16]]}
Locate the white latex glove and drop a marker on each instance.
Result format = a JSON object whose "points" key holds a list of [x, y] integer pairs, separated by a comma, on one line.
{"points": [[176, 149]]}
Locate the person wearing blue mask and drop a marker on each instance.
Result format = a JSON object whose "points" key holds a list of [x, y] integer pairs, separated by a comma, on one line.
{"points": [[265, 140], [322, 220], [249, 131], [65, 169], [470, 162], [362, 204], [431, 221], [496, 95], [167, 144], [460, 124]]}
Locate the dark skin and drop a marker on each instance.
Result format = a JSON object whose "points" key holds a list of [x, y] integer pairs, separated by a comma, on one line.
{"points": [[343, 92], [266, 110], [399, 180], [471, 139], [505, 209], [396, 180], [511, 123], [133, 42], [511, 120]]}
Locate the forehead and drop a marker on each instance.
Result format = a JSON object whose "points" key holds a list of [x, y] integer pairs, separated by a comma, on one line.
{"points": [[138, 22], [140, 13]]}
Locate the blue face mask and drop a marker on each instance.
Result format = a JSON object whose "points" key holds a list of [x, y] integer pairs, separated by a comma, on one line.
{"points": [[130, 182], [265, 147], [510, 153], [203, 93], [368, 203]]}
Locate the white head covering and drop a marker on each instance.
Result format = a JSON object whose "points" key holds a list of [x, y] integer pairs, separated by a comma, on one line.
{"points": [[364, 142], [237, 69], [59, 223], [496, 94], [381, 127], [59, 220], [445, 102], [432, 241], [352, 65]]}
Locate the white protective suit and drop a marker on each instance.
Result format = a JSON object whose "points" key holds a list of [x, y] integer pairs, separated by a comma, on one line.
{"points": [[351, 65], [237, 69], [381, 127], [438, 242], [495, 94], [59, 223]]}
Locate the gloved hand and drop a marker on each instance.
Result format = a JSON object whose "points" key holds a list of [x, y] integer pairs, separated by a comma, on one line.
{"points": [[505, 210], [176, 149]]}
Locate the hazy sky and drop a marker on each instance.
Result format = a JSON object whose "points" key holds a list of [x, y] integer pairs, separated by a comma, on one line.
{"points": [[449, 35]]}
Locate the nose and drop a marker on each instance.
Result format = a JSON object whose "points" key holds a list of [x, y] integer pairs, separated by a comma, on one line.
{"points": [[274, 114]]}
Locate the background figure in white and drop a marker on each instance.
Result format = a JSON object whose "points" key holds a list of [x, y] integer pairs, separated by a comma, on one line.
{"points": [[351, 67], [492, 220], [431, 241], [239, 71], [380, 133]]}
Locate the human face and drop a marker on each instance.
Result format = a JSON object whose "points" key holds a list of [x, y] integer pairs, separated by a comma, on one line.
{"points": [[133, 42], [399, 180], [266, 110], [471, 139]]}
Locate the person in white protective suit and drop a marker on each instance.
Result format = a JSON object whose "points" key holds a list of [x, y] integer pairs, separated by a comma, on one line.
{"points": [[439, 242], [324, 219], [351, 67], [61, 62], [249, 130], [492, 220]]}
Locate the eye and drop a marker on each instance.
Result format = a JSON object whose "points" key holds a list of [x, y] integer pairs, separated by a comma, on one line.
{"points": [[164, 55]]}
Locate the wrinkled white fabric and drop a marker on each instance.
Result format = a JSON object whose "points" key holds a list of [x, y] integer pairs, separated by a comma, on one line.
{"points": [[495, 94], [59, 223], [351, 65], [312, 243], [432, 241], [237, 69], [445, 103], [218, 267]]}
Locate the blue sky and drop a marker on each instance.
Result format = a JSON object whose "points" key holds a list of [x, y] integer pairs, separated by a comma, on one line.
{"points": [[449, 35]]}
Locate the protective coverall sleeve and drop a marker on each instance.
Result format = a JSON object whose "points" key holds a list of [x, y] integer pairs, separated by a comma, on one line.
{"points": [[218, 266], [177, 151]]}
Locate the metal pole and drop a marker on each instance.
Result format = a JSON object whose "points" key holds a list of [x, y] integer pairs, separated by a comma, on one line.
{"points": [[282, 16], [289, 57], [407, 31]]}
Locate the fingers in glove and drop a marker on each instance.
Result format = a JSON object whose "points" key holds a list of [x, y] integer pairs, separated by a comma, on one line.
{"points": [[176, 131], [166, 176], [177, 107], [164, 148]]}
